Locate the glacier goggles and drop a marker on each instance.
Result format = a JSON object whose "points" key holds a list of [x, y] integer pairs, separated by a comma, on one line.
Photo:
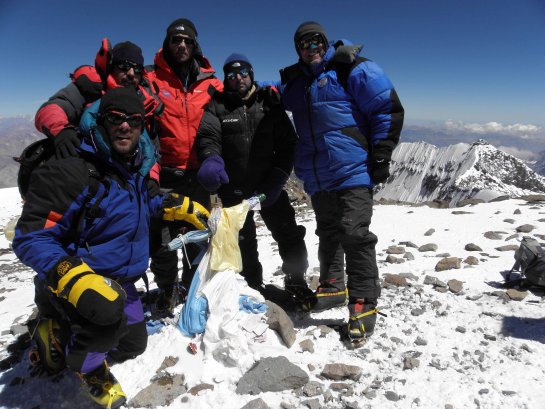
{"points": [[311, 42], [176, 40], [127, 65], [243, 72], [117, 118]]}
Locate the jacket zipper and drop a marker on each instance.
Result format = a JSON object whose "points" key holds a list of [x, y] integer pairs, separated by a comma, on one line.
{"points": [[313, 137]]}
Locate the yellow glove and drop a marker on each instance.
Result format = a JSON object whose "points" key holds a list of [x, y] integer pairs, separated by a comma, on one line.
{"points": [[181, 208], [96, 298]]}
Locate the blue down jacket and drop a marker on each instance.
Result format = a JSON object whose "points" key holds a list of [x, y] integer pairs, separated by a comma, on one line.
{"points": [[113, 236], [344, 124]]}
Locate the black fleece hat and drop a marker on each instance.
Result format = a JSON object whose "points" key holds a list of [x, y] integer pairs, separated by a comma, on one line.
{"points": [[127, 51], [308, 28], [182, 26], [123, 99], [237, 61]]}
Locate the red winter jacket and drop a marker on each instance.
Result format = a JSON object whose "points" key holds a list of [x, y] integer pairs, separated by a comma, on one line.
{"points": [[183, 110]]}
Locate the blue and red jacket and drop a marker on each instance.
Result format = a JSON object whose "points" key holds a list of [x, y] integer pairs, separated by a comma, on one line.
{"points": [[113, 238], [343, 127]]}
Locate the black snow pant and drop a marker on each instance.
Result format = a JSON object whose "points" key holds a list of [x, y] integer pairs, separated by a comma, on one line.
{"points": [[280, 220], [342, 225], [164, 263]]}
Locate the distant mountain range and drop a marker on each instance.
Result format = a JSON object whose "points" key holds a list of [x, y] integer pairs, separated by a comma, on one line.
{"points": [[421, 172], [15, 134]]}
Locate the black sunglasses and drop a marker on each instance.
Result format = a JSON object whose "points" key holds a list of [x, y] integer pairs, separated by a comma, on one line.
{"points": [[314, 40], [179, 40], [127, 65], [117, 118], [243, 72]]}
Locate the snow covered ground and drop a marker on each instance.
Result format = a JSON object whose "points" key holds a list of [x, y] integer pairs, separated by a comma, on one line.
{"points": [[435, 349]]}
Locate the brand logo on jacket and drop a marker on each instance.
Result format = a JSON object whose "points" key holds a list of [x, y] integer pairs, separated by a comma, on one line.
{"points": [[228, 120], [165, 93], [322, 82]]}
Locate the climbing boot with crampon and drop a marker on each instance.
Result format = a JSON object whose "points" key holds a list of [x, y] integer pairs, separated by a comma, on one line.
{"points": [[362, 319], [302, 294], [103, 388], [47, 351], [329, 296]]}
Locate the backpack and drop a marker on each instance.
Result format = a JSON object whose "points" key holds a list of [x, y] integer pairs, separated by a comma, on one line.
{"points": [[530, 261], [36, 154]]}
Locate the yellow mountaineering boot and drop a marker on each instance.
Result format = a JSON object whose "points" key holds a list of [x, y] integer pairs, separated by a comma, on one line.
{"points": [[103, 388], [47, 352]]}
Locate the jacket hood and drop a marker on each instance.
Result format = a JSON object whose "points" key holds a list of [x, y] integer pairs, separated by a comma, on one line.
{"points": [[95, 143], [205, 68]]}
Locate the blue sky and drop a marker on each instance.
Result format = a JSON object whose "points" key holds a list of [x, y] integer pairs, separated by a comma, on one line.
{"points": [[472, 61]]}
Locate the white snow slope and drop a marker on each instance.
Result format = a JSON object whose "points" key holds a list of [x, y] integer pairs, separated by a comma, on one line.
{"points": [[475, 350]]}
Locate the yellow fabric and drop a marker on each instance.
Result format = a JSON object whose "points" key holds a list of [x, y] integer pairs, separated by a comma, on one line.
{"points": [[90, 281], [93, 282], [225, 249], [180, 213]]}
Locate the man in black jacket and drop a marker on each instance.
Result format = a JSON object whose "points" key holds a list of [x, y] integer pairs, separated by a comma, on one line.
{"points": [[246, 145]]}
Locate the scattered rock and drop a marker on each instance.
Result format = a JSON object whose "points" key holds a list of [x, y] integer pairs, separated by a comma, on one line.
{"points": [[458, 212], [394, 260], [471, 260], [434, 281], [272, 375], [420, 341], [307, 345], [508, 247], [197, 389], [511, 237], [392, 396], [410, 363], [510, 221], [460, 329], [395, 250], [168, 362], [279, 321], [428, 247], [533, 198], [340, 372], [343, 388], [313, 388], [396, 280], [525, 228], [472, 247], [408, 256], [256, 404], [429, 232], [516, 295], [410, 244], [160, 392], [448, 263], [455, 286], [517, 211], [492, 235]]}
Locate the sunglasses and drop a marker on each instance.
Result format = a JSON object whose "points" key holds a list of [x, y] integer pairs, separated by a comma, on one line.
{"points": [[127, 65], [179, 40], [117, 118], [311, 42], [244, 72]]}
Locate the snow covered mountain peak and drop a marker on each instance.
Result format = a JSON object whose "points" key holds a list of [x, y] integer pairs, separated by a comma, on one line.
{"points": [[423, 172]]}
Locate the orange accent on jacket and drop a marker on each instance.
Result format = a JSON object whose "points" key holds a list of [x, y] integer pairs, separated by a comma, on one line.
{"points": [[52, 219]]}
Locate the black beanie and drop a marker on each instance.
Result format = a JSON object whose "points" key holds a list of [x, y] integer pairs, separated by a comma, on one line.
{"points": [[306, 28], [127, 51], [182, 26], [123, 99], [237, 61]]}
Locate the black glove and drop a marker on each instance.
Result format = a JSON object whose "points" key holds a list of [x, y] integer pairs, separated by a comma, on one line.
{"points": [[380, 171], [66, 143], [153, 187], [272, 187]]}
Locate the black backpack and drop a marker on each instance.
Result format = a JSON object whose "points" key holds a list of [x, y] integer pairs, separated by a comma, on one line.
{"points": [[530, 261], [39, 152]]}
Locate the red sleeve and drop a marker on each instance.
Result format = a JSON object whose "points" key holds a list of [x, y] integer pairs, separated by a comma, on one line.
{"points": [[51, 119]]}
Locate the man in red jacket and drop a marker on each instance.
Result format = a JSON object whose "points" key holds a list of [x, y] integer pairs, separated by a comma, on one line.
{"points": [[183, 80]]}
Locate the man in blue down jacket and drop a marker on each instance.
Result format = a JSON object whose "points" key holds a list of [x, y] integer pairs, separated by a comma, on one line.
{"points": [[84, 230], [349, 119]]}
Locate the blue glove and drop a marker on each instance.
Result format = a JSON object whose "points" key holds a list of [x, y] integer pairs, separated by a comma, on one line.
{"points": [[212, 173], [272, 187]]}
